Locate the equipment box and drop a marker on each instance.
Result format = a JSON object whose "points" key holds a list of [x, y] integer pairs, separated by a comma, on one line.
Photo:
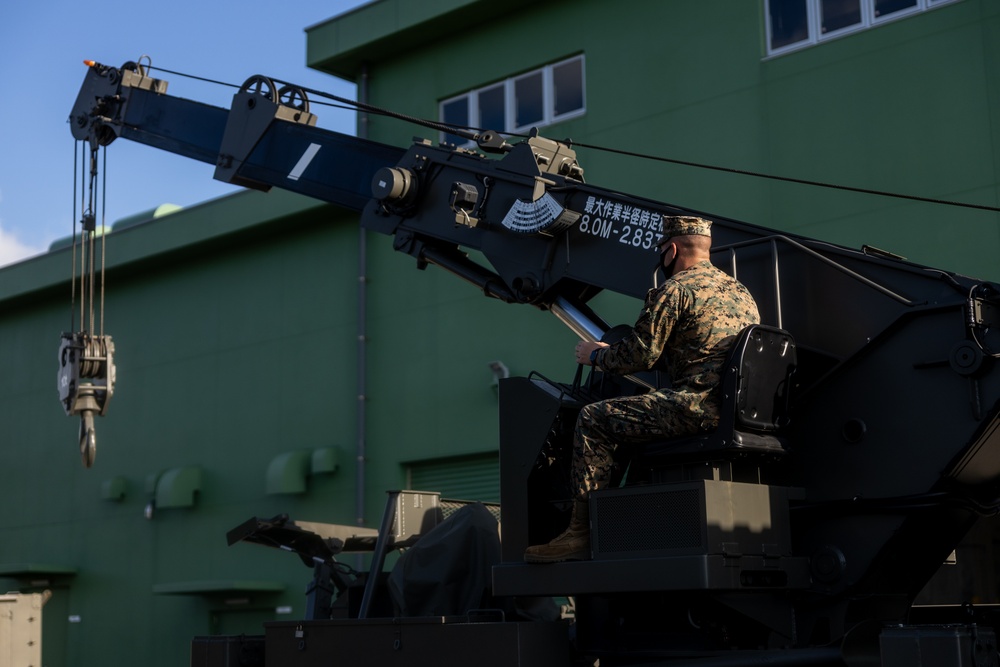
{"points": [[21, 629], [417, 642], [932, 645], [690, 518], [228, 651]]}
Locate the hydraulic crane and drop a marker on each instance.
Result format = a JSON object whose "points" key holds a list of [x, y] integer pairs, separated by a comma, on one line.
{"points": [[859, 441]]}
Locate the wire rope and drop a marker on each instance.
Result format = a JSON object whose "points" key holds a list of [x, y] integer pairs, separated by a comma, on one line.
{"points": [[473, 133]]}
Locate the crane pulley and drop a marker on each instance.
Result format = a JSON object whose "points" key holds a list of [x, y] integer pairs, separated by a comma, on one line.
{"points": [[86, 376]]}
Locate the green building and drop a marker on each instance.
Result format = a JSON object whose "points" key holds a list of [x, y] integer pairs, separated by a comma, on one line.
{"points": [[272, 359]]}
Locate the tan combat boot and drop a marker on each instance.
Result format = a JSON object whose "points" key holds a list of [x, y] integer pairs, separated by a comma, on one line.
{"points": [[573, 544]]}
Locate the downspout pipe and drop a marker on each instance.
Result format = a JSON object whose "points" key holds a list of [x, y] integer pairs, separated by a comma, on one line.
{"points": [[362, 408]]}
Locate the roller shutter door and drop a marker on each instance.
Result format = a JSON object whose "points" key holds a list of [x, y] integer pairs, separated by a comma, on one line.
{"points": [[466, 478]]}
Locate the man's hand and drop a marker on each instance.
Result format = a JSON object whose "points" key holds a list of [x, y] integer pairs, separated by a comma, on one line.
{"points": [[583, 350]]}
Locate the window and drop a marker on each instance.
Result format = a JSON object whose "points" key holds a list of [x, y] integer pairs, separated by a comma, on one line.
{"points": [[533, 99], [789, 23], [794, 24], [836, 15], [888, 7], [567, 87], [492, 107], [456, 112]]}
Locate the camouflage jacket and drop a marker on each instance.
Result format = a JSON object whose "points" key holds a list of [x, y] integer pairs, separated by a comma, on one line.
{"points": [[686, 327]]}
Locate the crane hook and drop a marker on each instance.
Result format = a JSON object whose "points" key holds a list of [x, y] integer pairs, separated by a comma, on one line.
{"points": [[86, 381]]}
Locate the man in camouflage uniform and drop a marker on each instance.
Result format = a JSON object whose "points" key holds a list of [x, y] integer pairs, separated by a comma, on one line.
{"points": [[686, 327]]}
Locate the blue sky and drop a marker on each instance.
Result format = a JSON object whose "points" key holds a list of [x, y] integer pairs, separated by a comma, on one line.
{"points": [[42, 49]]}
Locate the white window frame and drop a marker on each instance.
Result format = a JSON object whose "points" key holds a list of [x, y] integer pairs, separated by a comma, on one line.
{"points": [[549, 117], [868, 20]]}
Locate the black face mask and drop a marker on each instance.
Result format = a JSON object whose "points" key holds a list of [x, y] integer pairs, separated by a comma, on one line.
{"points": [[668, 270]]}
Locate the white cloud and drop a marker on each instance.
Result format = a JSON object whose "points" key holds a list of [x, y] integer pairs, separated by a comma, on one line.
{"points": [[13, 250]]}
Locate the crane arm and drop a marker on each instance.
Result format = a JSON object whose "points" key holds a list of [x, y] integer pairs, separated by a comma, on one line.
{"points": [[259, 143], [547, 237]]}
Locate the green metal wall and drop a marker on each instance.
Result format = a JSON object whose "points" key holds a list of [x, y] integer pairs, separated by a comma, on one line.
{"points": [[235, 324], [236, 321], [909, 106], [225, 359], [430, 388]]}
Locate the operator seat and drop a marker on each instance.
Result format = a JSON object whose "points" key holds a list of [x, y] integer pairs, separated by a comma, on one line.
{"points": [[756, 384]]}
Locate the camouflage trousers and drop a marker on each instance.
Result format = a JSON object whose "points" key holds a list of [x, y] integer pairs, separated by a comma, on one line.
{"points": [[605, 426]]}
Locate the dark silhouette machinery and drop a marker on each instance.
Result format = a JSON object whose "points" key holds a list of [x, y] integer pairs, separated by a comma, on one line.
{"points": [[859, 441]]}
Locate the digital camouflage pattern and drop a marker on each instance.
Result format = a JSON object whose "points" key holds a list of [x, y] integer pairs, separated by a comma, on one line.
{"points": [[680, 225], [686, 328]]}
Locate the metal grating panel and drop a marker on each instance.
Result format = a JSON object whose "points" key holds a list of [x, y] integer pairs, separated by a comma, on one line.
{"points": [[449, 507], [648, 522]]}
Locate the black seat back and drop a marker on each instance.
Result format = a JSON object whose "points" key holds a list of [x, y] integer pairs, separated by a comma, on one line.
{"points": [[755, 387], [757, 380]]}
